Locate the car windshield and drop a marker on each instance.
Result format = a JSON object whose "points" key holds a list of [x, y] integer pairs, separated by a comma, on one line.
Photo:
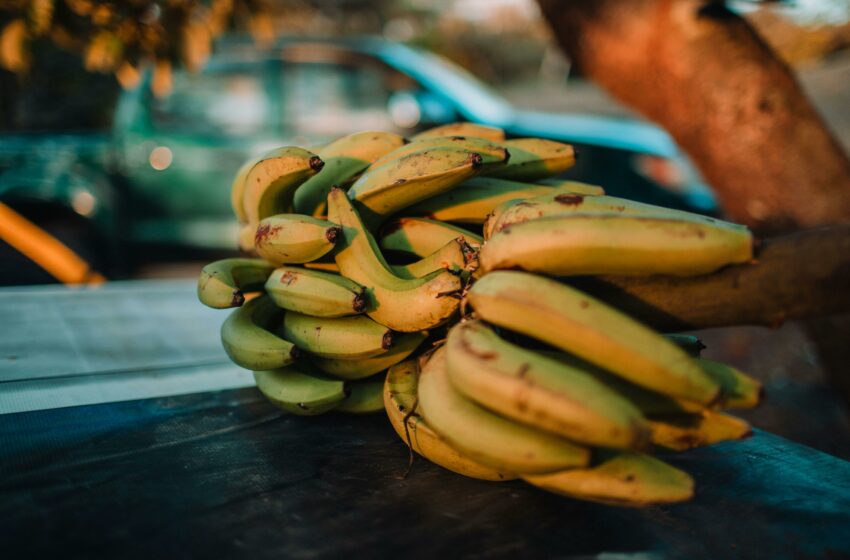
{"points": [[475, 100]]}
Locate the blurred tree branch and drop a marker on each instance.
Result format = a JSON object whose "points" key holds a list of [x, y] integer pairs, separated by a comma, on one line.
{"points": [[703, 73]]}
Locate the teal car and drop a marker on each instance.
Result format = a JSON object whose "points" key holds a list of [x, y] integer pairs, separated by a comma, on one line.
{"points": [[162, 177]]}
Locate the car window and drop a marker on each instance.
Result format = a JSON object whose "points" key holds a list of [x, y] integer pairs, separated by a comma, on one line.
{"points": [[330, 99], [220, 102]]}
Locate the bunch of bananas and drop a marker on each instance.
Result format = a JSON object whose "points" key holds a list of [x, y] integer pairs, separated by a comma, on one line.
{"points": [[425, 277]]}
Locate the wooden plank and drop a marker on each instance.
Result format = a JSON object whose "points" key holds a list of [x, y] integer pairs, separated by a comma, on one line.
{"points": [[226, 475]]}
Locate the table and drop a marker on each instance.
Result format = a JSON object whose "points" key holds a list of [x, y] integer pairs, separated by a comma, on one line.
{"points": [[223, 474]]}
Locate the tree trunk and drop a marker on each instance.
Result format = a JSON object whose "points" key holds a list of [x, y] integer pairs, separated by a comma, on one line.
{"points": [[703, 73]]}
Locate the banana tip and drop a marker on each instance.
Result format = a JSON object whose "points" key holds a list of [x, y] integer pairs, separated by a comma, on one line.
{"points": [[316, 163], [238, 298]]}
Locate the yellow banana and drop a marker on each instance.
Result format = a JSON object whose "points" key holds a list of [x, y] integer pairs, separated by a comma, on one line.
{"points": [[237, 189], [558, 203], [687, 431], [623, 479], [422, 236], [300, 391], [534, 158], [245, 241], [325, 266], [271, 182], [383, 191], [491, 152], [404, 344], [344, 159], [294, 238], [247, 338], [540, 392], [345, 338], [573, 186], [486, 437], [223, 283], [739, 389], [454, 255], [316, 293], [611, 244], [400, 402], [367, 396], [588, 328], [463, 129], [401, 304]]}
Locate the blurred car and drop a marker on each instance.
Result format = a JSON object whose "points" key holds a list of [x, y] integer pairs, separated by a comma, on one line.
{"points": [[162, 177]]}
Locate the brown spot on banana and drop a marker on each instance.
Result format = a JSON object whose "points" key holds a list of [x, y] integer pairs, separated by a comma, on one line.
{"points": [[569, 199], [316, 163]]}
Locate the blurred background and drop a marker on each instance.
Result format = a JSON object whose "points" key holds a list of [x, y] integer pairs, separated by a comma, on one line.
{"points": [[122, 124]]}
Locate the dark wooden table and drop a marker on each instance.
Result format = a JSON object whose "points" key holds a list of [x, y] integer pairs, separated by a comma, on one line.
{"points": [[223, 474]]}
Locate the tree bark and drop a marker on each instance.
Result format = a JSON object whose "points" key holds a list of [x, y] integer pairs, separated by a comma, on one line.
{"points": [[796, 276], [703, 73]]}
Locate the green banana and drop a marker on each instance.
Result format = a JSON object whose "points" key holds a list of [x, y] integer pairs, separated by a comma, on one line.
{"points": [[486, 437], [454, 255], [344, 159], [611, 244], [271, 183], [367, 396], [534, 158], [540, 392], [223, 283], [316, 293], [404, 344], [473, 200], [384, 190], [345, 338], [294, 238], [588, 328], [400, 402], [740, 390], [247, 338], [623, 479], [491, 152], [300, 391], [405, 305], [687, 342], [573, 186], [422, 236], [558, 203], [688, 431], [463, 129]]}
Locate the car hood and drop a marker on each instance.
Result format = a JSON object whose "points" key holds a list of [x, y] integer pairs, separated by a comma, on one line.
{"points": [[618, 133]]}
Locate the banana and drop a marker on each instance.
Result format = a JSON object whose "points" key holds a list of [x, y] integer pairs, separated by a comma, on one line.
{"points": [[486, 437], [248, 341], [384, 190], [687, 342], [740, 390], [588, 328], [300, 391], [687, 431], [245, 241], [316, 293], [345, 338], [421, 236], [367, 396], [558, 203], [272, 181], [404, 344], [491, 152], [463, 129], [454, 255], [613, 244], [624, 479], [325, 266], [223, 283], [572, 186], [540, 392], [405, 305], [473, 200], [400, 402], [237, 189], [344, 159], [294, 238], [534, 158]]}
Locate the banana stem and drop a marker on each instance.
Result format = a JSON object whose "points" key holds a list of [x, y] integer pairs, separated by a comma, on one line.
{"points": [[798, 276]]}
